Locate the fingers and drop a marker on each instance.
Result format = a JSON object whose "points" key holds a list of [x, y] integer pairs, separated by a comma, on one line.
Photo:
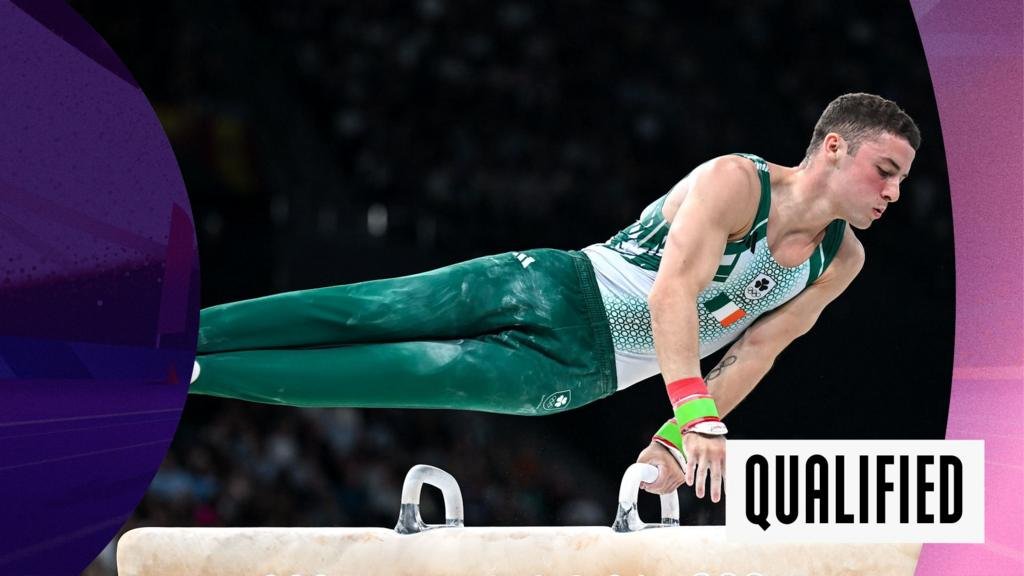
{"points": [[670, 475], [691, 465], [658, 487], [702, 475], [657, 484], [669, 479], [717, 473], [716, 468], [707, 458]]}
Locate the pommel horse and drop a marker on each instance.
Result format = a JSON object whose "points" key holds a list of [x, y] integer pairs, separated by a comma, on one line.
{"points": [[630, 547]]}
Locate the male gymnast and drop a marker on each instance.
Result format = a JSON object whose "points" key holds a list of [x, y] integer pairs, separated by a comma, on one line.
{"points": [[741, 251]]}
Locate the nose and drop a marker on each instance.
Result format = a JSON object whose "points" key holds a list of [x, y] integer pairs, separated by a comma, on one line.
{"points": [[891, 192]]}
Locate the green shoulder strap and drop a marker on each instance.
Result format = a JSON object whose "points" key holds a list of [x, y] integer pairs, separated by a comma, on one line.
{"points": [[760, 227], [827, 250]]}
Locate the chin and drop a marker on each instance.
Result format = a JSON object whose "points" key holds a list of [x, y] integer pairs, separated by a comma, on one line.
{"points": [[862, 225]]}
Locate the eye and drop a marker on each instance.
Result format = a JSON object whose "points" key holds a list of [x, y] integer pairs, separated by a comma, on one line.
{"points": [[883, 173]]}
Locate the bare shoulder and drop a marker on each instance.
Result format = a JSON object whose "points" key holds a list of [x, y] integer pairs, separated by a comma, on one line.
{"points": [[733, 175], [729, 188]]}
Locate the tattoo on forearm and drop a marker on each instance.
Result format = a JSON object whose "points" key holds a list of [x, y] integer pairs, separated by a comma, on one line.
{"points": [[717, 370]]}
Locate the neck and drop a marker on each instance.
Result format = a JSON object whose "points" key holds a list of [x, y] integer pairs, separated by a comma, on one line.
{"points": [[802, 204]]}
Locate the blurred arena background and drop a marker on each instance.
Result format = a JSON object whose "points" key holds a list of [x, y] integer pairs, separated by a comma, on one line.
{"points": [[330, 142]]}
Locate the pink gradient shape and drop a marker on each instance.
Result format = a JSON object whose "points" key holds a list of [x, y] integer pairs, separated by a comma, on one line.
{"points": [[975, 52]]}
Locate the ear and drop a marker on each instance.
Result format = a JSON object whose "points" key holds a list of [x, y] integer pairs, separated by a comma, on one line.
{"points": [[833, 147]]}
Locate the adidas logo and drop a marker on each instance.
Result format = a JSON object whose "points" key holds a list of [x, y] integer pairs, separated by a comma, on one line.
{"points": [[524, 259]]}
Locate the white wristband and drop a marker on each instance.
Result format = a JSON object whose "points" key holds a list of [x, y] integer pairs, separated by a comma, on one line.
{"points": [[709, 427]]}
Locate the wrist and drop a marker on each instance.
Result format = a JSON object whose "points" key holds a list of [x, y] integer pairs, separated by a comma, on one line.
{"points": [[678, 452], [708, 428], [694, 408]]}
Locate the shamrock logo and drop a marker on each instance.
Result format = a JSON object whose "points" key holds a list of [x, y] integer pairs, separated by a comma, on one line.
{"points": [[759, 287], [556, 401]]}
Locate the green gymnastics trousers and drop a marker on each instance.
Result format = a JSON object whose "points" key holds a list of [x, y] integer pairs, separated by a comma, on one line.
{"points": [[516, 333]]}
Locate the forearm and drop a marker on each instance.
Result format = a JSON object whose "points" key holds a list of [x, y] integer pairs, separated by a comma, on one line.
{"points": [[674, 327], [674, 323], [739, 371], [729, 382]]}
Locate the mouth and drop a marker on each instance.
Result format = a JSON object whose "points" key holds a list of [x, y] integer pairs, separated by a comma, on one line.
{"points": [[877, 212]]}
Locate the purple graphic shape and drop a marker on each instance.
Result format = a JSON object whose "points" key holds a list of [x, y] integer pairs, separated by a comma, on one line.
{"points": [[99, 291], [975, 53], [60, 19]]}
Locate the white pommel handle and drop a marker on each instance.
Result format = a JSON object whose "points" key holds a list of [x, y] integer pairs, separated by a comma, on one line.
{"points": [[409, 520], [627, 519]]}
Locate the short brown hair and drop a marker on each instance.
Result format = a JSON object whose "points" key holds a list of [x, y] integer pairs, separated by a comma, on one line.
{"points": [[859, 116]]}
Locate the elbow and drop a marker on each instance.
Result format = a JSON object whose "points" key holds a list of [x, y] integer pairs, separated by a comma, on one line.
{"points": [[657, 305], [656, 299], [768, 344], [761, 352], [664, 302], [672, 290]]}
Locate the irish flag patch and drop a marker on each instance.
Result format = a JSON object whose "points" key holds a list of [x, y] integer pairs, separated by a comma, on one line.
{"points": [[723, 309]]}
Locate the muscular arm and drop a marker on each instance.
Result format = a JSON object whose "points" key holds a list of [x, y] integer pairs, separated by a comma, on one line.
{"points": [[749, 359], [696, 241], [721, 200]]}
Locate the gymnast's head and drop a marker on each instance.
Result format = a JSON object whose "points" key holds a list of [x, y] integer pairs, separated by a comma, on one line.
{"points": [[863, 145], [859, 117]]}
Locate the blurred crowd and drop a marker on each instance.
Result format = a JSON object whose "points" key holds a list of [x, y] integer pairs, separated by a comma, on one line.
{"points": [[338, 129], [238, 464], [325, 142]]}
